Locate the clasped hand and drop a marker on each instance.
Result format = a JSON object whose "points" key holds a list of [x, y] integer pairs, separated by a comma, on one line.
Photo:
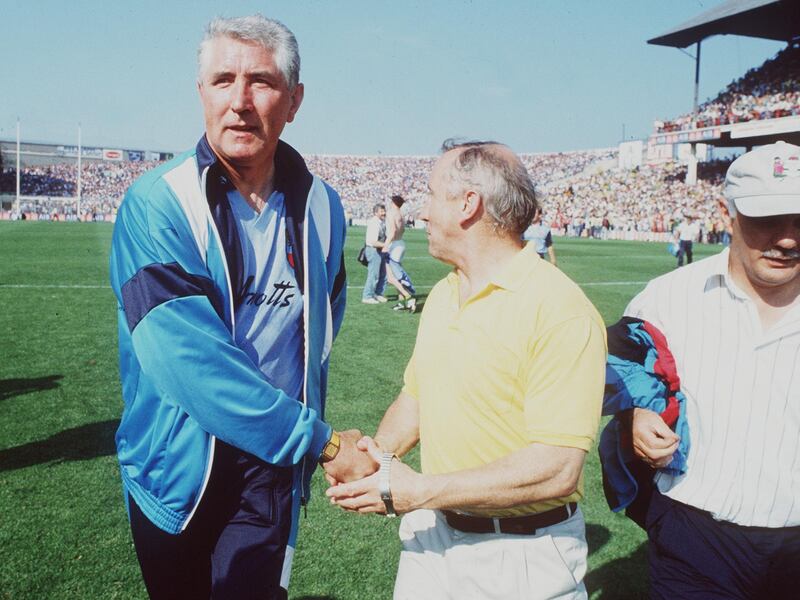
{"points": [[351, 463], [363, 495]]}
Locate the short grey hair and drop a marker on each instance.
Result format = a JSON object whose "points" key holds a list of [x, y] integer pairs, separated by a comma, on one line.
{"points": [[270, 33], [507, 190]]}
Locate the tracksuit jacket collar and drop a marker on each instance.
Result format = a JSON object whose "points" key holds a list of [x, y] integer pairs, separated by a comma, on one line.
{"points": [[292, 177]]}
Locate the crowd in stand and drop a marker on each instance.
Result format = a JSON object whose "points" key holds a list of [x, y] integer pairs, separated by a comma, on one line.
{"points": [[102, 188], [645, 203], [39, 181], [360, 180], [363, 180], [769, 91], [583, 193]]}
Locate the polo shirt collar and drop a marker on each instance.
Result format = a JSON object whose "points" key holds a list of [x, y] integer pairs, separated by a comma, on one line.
{"points": [[511, 276], [515, 272]]}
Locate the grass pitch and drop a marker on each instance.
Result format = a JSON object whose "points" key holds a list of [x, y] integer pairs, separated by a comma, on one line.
{"points": [[63, 529]]}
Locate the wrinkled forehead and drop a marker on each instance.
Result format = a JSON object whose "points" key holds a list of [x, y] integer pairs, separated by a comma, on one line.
{"points": [[443, 167]]}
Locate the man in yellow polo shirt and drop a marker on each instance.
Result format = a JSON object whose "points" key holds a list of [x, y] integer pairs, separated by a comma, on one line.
{"points": [[503, 392]]}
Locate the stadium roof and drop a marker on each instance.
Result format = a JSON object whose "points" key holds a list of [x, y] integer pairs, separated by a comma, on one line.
{"points": [[770, 19]]}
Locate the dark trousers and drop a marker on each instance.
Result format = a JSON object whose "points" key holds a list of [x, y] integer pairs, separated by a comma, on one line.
{"points": [[691, 555], [684, 247], [234, 545]]}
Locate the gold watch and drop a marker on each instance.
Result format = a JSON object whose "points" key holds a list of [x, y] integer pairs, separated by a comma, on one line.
{"points": [[331, 449]]}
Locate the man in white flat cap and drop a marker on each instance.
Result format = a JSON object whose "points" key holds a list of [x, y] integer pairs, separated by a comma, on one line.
{"points": [[724, 517]]}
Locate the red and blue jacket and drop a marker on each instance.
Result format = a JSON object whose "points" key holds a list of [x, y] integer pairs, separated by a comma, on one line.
{"points": [[640, 373]]}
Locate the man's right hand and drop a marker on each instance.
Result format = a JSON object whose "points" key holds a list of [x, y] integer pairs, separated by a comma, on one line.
{"points": [[653, 441], [350, 463]]}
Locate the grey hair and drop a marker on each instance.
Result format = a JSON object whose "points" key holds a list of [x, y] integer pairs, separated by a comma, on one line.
{"points": [[507, 190], [377, 206], [270, 33]]}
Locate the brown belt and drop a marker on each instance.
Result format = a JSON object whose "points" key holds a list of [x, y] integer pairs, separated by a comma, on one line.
{"points": [[526, 525]]}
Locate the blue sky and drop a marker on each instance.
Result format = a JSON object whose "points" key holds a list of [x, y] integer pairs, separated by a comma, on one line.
{"points": [[390, 77]]}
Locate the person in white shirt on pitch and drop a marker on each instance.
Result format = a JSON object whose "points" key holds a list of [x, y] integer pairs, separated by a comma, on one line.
{"points": [[375, 242], [538, 233], [687, 232]]}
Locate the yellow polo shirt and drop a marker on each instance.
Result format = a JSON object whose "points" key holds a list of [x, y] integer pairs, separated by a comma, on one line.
{"points": [[521, 361]]}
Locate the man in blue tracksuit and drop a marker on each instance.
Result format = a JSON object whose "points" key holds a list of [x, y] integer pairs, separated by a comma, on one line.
{"points": [[227, 264]]}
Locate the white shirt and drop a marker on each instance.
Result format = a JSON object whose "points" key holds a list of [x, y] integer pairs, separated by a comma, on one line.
{"points": [[743, 390], [376, 231], [539, 235], [688, 232]]}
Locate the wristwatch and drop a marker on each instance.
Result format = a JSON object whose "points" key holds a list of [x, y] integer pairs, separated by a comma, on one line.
{"points": [[331, 449]]}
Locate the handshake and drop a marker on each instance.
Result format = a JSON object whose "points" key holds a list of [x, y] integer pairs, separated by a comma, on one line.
{"points": [[365, 479]]}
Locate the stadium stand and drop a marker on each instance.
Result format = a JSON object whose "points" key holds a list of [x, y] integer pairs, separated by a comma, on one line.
{"points": [[767, 92], [45, 187], [645, 203], [361, 180], [582, 195]]}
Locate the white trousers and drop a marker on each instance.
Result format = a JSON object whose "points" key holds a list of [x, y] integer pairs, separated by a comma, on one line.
{"points": [[438, 562]]}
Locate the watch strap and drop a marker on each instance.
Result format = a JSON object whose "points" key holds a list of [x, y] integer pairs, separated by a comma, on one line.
{"points": [[384, 487]]}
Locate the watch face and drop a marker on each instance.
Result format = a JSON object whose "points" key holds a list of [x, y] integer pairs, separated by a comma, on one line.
{"points": [[330, 450]]}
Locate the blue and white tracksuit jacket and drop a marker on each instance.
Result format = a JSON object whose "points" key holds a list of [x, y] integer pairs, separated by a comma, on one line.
{"points": [[176, 270]]}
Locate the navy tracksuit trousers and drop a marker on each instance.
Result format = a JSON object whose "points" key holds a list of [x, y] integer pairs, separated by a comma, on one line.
{"points": [[234, 545]]}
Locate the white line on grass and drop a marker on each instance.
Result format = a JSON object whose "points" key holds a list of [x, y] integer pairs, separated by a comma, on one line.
{"points": [[77, 286], [416, 287], [48, 286], [587, 284], [593, 283]]}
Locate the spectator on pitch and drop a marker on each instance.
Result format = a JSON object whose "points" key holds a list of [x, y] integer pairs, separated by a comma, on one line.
{"points": [[723, 336], [395, 248], [222, 426], [503, 393], [686, 233], [375, 241], [538, 234]]}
